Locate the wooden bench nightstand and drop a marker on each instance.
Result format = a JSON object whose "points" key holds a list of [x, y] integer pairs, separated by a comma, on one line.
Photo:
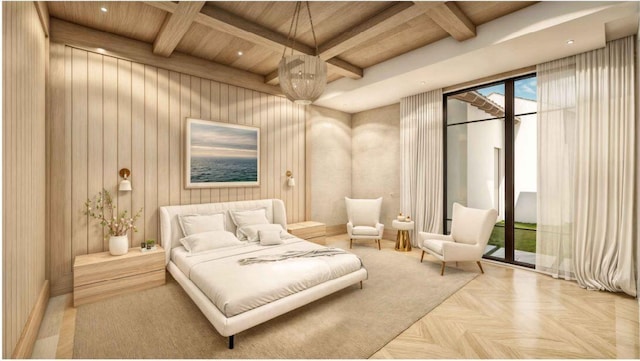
{"points": [[100, 275], [309, 230]]}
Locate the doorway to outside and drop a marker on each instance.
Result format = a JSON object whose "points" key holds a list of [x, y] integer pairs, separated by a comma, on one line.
{"points": [[490, 161]]}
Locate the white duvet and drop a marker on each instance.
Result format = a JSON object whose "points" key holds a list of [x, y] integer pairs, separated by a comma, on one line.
{"points": [[236, 288]]}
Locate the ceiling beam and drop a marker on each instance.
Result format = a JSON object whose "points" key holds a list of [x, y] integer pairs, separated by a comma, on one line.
{"points": [[134, 50], [168, 6], [452, 19], [344, 68], [391, 17], [224, 21], [175, 26], [271, 78]]}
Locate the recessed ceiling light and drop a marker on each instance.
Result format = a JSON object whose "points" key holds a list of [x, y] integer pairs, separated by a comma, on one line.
{"points": [[423, 83], [240, 53], [103, 9], [570, 41]]}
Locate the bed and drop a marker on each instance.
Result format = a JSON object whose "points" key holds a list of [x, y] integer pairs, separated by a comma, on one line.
{"points": [[235, 297]]}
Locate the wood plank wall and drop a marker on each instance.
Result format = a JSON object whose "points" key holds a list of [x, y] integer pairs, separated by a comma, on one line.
{"points": [[110, 113], [23, 167]]}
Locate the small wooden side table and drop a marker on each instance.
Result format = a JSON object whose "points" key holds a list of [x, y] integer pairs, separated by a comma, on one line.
{"points": [[309, 230], [100, 275], [403, 240]]}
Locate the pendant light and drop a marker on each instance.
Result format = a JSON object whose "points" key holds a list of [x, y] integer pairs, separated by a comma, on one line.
{"points": [[302, 77]]}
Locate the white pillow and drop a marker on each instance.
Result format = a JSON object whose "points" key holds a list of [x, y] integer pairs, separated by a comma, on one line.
{"points": [[270, 238], [205, 241], [198, 223], [250, 233], [249, 218], [364, 212]]}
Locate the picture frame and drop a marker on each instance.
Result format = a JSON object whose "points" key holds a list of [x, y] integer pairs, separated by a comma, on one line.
{"points": [[221, 154]]}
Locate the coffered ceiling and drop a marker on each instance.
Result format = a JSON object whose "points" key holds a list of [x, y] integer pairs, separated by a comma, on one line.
{"points": [[250, 36], [377, 52]]}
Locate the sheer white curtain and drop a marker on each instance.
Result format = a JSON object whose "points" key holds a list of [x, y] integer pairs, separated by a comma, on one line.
{"points": [[587, 168], [605, 168], [556, 163], [421, 150]]}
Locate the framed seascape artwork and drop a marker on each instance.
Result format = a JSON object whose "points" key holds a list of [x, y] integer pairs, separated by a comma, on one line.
{"points": [[221, 154]]}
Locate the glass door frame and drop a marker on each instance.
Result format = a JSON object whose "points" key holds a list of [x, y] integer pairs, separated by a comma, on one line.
{"points": [[509, 166]]}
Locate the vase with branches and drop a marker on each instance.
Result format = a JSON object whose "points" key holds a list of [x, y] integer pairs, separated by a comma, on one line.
{"points": [[101, 207]]}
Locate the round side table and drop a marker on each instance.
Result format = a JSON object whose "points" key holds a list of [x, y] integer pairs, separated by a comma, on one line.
{"points": [[403, 240]]}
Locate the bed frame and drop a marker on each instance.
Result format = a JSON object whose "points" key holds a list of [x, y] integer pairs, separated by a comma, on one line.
{"points": [[171, 233]]}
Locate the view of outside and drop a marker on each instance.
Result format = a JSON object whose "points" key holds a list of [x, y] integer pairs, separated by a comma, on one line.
{"points": [[476, 158]]}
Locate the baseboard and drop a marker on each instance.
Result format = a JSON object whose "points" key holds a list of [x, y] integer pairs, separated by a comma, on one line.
{"points": [[27, 339]]}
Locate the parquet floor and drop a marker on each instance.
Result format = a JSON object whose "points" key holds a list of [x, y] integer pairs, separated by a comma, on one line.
{"points": [[505, 313], [510, 313]]}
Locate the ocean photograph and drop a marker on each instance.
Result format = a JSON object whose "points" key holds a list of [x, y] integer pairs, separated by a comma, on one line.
{"points": [[216, 169], [222, 154]]}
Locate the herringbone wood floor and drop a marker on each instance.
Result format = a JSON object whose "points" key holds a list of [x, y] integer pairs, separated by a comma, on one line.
{"points": [[504, 313], [515, 313]]}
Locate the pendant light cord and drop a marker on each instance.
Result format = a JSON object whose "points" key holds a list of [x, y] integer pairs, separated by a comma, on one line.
{"points": [[294, 27], [294, 18], [315, 41]]}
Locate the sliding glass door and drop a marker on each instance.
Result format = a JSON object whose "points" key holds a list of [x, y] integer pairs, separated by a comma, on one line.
{"points": [[491, 162], [525, 169]]}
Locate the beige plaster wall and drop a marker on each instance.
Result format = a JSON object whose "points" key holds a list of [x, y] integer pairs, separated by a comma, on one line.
{"points": [[328, 165], [376, 159]]}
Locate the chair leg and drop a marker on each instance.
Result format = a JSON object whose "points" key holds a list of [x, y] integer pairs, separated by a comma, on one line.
{"points": [[350, 243], [442, 269], [422, 257], [360, 284], [378, 245], [480, 265]]}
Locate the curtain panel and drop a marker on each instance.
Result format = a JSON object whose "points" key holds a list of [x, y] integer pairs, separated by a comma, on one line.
{"points": [[605, 168], [586, 163], [556, 167], [421, 142]]}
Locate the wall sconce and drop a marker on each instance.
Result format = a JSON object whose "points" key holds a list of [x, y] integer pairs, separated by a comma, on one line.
{"points": [[291, 182], [125, 184]]}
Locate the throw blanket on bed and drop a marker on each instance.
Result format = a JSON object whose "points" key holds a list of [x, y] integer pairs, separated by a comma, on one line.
{"points": [[324, 252]]}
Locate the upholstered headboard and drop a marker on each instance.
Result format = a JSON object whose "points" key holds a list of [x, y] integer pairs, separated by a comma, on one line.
{"points": [[170, 232]]}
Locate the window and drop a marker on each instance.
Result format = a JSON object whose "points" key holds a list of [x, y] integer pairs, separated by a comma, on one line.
{"points": [[491, 162]]}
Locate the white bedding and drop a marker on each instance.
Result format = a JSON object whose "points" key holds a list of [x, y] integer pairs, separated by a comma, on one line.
{"points": [[235, 288]]}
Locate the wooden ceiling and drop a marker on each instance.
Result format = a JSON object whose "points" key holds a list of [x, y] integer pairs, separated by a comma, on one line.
{"points": [[352, 35]]}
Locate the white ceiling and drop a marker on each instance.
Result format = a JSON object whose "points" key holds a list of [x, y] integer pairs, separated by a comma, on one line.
{"points": [[533, 35]]}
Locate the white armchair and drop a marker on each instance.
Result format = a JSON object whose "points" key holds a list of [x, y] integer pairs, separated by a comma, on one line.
{"points": [[364, 219], [470, 232]]}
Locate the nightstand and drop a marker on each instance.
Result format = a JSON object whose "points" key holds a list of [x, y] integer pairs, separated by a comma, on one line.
{"points": [[100, 275], [309, 230]]}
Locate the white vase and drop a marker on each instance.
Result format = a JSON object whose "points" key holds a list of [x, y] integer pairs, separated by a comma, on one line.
{"points": [[118, 245]]}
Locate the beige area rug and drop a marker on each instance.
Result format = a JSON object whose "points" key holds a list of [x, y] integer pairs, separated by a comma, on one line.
{"points": [[163, 322]]}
